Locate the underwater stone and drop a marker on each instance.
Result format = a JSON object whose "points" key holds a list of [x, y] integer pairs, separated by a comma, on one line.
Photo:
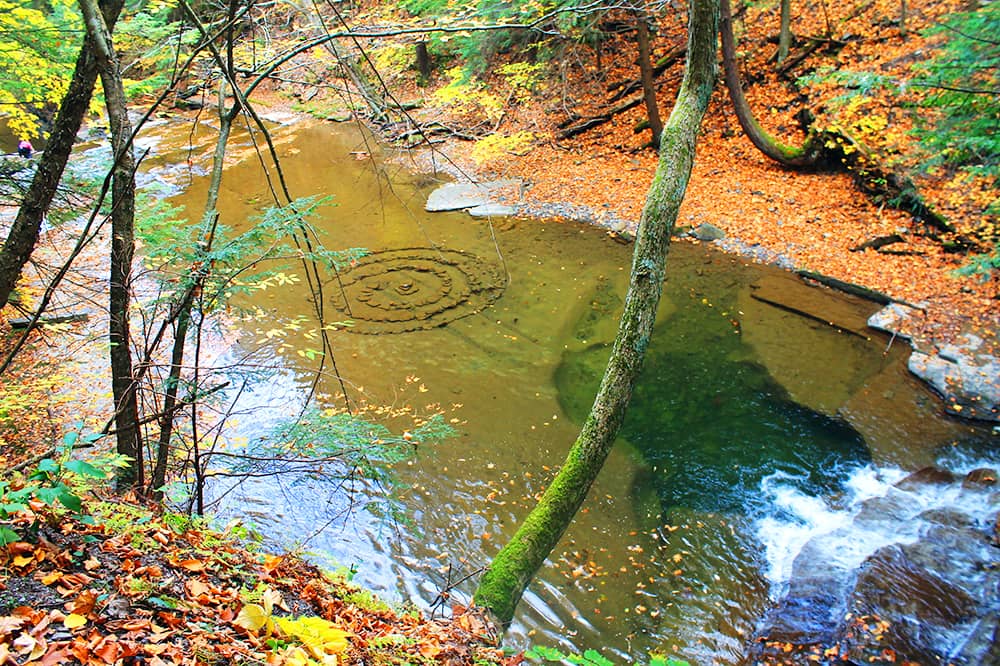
{"points": [[492, 210]]}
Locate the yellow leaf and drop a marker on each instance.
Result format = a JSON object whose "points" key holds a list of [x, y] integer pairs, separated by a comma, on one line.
{"points": [[23, 560], [252, 617], [321, 637], [74, 621]]}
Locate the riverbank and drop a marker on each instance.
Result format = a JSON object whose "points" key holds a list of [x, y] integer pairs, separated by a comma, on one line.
{"points": [[951, 323]]}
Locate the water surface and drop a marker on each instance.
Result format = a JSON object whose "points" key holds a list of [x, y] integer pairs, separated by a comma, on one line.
{"points": [[665, 555]]}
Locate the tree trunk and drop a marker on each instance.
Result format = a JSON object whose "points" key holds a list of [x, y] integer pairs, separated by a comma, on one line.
{"points": [[184, 305], [24, 231], [123, 385], [646, 71], [785, 35], [808, 155], [423, 62], [504, 581]]}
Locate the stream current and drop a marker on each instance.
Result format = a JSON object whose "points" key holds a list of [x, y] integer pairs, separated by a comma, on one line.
{"points": [[752, 427]]}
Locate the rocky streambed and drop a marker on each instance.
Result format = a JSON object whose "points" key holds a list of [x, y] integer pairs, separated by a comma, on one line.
{"points": [[913, 577]]}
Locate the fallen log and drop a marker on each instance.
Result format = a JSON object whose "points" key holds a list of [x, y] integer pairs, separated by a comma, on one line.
{"points": [[879, 242], [855, 289], [594, 121], [21, 323]]}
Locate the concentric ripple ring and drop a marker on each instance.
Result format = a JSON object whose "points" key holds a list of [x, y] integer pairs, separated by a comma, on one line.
{"points": [[396, 291]]}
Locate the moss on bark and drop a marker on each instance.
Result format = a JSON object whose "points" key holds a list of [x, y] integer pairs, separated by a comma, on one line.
{"points": [[508, 575]]}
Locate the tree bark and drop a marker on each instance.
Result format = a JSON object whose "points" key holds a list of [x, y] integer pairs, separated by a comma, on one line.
{"points": [[23, 234], [123, 384], [785, 34], [809, 154], [508, 575], [646, 72], [423, 62]]}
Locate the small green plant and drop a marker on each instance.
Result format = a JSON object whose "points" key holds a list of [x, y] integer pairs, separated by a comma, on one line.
{"points": [[55, 483], [591, 657], [981, 266]]}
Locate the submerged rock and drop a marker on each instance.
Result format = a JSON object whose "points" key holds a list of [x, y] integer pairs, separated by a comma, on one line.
{"points": [[492, 210]]}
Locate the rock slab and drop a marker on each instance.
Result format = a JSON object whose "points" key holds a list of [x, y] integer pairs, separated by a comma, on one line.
{"points": [[460, 196]]}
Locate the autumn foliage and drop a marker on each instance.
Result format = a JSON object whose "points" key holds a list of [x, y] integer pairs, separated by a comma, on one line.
{"points": [[138, 587]]}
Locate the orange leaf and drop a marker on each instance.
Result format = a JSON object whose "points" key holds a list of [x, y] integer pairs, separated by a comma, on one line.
{"points": [[192, 565]]}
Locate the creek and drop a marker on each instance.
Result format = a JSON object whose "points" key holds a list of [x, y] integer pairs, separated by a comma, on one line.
{"points": [[752, 430]]}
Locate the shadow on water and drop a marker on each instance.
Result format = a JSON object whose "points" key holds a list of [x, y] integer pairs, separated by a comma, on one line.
{"points": [[709, 425], [707, 419]]}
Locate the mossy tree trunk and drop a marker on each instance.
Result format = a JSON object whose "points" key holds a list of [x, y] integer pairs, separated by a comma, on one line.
{"points": [[809, 154], [123, 382], [508, 575], [26, 226]]}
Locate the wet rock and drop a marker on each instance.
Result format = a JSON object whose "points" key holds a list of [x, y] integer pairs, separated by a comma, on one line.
{"points": [[930, 595], [926, 476], [708, 232], [892, 507], [893, 584], [980, 478], [947, 517], [983, 644], [965, 375], [492, 210], [812, 614], [925, 614], [959, 555]]}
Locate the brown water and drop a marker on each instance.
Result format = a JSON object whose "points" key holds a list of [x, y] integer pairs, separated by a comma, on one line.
{"points": [[737, 393]]}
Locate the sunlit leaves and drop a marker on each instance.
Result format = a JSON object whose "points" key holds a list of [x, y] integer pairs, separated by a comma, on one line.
{"points": [[497, 145], [37, 51], [320, 637]]}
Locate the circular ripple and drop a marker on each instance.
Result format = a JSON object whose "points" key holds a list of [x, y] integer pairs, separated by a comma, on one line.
{"points": [[395, 291]]}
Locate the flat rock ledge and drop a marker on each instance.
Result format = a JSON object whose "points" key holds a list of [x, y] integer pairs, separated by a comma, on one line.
{"points": [[963, 373], [480, 199]]}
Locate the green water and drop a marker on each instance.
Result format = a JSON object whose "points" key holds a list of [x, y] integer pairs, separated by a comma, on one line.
{"points": [[708, 421]]}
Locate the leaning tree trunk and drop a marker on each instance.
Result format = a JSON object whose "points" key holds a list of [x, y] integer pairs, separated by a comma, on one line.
{"points": [[24, 231], [808, 154], [504, 581], [123, 385], [646, 71]]}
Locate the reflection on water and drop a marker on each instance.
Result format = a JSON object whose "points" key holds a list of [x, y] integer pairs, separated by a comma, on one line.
{"points": [[664, 555]]}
